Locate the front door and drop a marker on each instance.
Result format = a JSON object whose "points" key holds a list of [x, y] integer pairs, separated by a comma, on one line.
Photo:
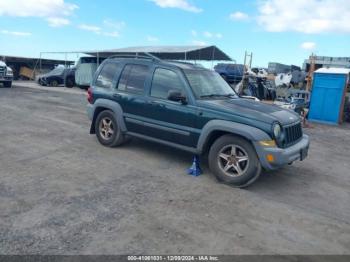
{"points": [[170, 120]]}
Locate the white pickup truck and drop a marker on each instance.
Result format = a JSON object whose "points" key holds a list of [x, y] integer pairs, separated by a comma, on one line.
{"points": [[6, 75]]}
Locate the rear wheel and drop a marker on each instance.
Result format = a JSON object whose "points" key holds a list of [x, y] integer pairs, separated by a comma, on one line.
{"points": [[69, 82], [233, 160], [107, 130]]}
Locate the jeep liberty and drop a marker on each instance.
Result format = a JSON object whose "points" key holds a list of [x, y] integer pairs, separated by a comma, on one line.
{"points": [[192, 108]]}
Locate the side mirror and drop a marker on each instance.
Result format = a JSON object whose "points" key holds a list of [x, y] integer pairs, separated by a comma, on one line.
{"points": [[175, 95]]}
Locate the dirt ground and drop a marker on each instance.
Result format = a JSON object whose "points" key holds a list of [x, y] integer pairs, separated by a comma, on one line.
{"points": [[61, 192]]}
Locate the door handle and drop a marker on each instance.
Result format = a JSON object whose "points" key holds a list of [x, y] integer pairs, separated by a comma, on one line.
{"points": [[157, 103]]}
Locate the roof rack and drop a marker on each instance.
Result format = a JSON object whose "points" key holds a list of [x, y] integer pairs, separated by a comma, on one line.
{"points": [[137, 56], [181, 62]]}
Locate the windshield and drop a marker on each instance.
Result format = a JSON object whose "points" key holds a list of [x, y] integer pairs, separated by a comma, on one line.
{"points": [[206, 84], [57, 71]]}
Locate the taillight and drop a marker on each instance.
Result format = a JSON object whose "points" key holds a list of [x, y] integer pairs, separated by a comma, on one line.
{"points": [[90, 97]]}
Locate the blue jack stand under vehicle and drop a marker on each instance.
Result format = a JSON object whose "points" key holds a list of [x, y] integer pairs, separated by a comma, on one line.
{"points": [[195, 169]]}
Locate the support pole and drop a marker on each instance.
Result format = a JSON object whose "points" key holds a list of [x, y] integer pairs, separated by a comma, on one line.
{"points": [[312, 61], [212, 58], [65, 69], [40, 62]]}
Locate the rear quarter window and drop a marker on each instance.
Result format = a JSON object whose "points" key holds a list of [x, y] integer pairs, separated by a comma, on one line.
{"points": [[106, 75]]}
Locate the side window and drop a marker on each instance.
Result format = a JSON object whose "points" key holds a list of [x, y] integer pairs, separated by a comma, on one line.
{"points": [[133, 78], [124, 78], [163, 81], [106, 76]]}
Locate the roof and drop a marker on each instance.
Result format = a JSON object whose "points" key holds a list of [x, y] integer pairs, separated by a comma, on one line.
{"points": [[33, 60], [205, 53], [333, 70], [180, 64]]}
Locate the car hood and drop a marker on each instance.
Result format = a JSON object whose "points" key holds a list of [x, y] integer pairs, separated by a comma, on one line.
{"points": [[252, 109], [49, 74]]}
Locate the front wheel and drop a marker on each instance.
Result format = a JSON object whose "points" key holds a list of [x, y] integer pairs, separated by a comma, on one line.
{"points": [[107, 130], [233, 161], [53, 83], [8, 84]]}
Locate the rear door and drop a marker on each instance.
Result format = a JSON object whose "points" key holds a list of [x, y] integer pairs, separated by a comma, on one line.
{"points": [[130, 94], [104, 83]]}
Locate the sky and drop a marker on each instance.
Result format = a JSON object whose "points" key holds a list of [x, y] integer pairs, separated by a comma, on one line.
{"points": [[273, 30]]}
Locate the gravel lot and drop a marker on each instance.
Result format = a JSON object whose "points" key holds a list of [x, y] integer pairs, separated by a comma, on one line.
{"points": [[61, 192]]}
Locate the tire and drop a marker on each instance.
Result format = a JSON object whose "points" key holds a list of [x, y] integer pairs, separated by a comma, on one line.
{"points": [[53, 83], [69, 82], [242, 162], [8, 84], [107, 130]]}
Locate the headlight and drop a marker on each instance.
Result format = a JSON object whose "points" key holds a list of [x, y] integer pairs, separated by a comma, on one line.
{"points": [[277, 131], [9, 72]]}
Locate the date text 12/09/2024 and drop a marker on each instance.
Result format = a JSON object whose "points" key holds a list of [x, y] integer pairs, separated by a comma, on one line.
{"points": [[173, 258]]}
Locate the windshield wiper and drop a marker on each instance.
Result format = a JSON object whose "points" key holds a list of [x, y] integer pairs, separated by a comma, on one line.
{"points": [[218, 95]]}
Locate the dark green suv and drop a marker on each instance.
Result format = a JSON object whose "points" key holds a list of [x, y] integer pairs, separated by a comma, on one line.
{"points": [[191, 108]]}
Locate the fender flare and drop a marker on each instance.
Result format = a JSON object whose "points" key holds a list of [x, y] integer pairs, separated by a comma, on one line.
{"points": [[111, 105], [249, 132]]}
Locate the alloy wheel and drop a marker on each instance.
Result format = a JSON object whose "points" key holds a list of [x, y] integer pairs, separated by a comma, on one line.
{"points": [[233, 160], [106, 128]]}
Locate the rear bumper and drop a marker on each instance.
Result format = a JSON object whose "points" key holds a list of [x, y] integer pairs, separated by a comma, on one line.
{"points": [[282, 156]]}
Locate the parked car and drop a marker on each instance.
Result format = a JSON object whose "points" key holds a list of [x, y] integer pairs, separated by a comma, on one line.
{"points": [[6, 75], [193, 109], [85, 70], [231, 73], [58, 76]]}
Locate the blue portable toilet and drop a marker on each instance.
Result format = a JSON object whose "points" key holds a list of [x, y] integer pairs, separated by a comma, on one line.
{"points": [[328, 95]]}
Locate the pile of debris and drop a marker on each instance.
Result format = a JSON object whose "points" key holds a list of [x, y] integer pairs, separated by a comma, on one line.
{"points": [[284, 85]]}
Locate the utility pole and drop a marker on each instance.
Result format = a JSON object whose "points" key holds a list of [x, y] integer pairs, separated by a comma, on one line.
{"points": [[312, 61], [248, 59]]}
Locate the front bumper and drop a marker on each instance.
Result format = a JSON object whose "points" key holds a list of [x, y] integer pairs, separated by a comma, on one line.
{"points": [[42, 81], [6, 78], [282, 156]]}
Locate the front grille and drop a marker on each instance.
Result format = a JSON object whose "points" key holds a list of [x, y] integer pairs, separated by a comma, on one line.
{"points": [[293, 134], [2, 71]]}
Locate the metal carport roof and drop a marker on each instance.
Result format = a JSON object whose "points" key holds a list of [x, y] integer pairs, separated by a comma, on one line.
{"points": [[29, 61], [204, 53]]}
